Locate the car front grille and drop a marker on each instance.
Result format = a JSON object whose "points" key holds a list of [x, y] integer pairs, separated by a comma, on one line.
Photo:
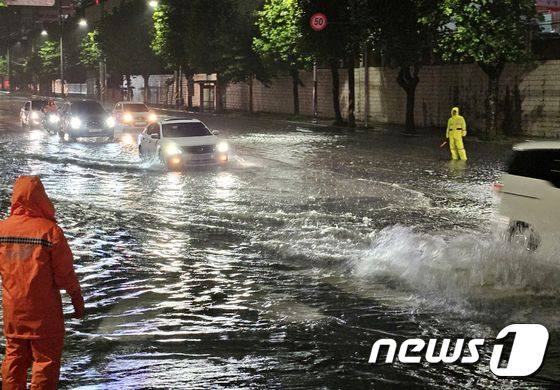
{"points": [[203, 149], [93, 124]]}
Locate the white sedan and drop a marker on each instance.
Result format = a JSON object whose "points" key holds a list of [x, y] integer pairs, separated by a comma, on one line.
{"points": [[179, 142]]}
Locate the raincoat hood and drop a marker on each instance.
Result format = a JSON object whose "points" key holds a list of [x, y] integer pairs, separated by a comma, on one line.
{"points": [[455, 111], [29, 198]]}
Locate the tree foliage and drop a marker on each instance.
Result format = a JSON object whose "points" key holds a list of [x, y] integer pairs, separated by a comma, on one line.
{"points": [[208, 37], [280, 39], [90, 53], [124, 37], [49, 54], [489, 32], [3, 66]]}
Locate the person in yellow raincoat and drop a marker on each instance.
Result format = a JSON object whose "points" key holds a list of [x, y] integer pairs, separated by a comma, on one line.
{"points": [[456, 130]]}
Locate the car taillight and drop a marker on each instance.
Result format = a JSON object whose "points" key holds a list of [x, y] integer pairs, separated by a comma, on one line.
{"points": [[497, 187]]}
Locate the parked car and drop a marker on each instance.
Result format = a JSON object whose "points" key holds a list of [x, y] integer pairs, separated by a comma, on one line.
{"points": [[530, 194], [179, 142], [132, 117], [85, 118], [31, 114]]}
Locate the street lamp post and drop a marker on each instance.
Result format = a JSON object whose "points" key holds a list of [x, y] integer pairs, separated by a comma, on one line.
{"points": [[61, 44]]}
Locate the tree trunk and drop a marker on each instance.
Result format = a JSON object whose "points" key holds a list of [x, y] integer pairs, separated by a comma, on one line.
{"points": [[251, 109], [351, 91], [408, 80], [493, 72], [295, 87], [336, 91], [220, 88], [190, 91], [146, 88]]}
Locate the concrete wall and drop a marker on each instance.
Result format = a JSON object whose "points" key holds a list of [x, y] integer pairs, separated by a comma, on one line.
{"points": [[277, 97], [530, 96]]}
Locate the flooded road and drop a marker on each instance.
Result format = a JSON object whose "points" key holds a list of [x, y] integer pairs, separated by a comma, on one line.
{"points": [[281, 270]]}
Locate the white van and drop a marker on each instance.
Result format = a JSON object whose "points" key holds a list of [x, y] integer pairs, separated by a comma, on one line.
{"points": [[530, 194]]}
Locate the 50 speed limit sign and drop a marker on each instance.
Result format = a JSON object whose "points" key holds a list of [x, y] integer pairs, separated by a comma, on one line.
{"points": [[318, 21]]}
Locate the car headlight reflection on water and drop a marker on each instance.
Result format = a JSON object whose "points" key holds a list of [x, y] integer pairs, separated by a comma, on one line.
{"points": [[222, 147], [127, 139]]}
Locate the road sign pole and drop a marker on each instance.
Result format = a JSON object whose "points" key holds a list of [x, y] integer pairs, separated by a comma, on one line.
{"points": [[315, 114]]}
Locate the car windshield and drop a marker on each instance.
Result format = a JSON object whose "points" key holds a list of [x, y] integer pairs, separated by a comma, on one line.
{"points": [[38, 104], [89, 108], [185, 129], [135, 108]]}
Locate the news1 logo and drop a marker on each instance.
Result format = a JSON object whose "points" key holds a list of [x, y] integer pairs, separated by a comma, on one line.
{"points": [[526, 356]]}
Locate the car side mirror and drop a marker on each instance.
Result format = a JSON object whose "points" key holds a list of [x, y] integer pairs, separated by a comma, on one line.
{"points": [[215, 132], [154, 136]]}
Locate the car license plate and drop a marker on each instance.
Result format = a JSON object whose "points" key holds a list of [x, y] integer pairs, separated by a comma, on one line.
{"points": [[95, 130], [201, 157], [140, 123]]}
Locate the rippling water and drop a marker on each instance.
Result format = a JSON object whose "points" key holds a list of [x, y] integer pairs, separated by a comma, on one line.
{"points": [[281, 270]]}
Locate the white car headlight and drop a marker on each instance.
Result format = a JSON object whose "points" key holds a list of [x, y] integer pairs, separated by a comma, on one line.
{"points": [[75, 123], [152, 117], [222, 147], [127, 117], [53, 118], [172, 149], [110, 122]]}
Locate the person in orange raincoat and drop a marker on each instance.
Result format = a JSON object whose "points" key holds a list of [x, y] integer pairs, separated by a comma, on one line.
{"points": [[35, 264]]}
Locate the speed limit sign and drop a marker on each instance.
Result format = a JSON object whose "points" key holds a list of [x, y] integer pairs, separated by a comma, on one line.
{"points": [[318, 21]]}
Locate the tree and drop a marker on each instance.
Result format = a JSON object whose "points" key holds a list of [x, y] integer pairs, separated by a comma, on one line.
{"points": [[490, 33], [348, 27], [90, 53], [133, 56], [406, 32], [209, 37], [3, 66], [280, 41], [49, 54]]}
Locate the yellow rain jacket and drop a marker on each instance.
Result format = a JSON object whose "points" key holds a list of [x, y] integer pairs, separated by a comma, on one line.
{"points": [[456, 130]]}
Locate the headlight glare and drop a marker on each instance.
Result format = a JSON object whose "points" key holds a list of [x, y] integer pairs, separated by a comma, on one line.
{"points": [[127, 117], [222, 147], [152, 117], [53, 118], [172, 149], [34, 115], [75, 123], [110, 122]]}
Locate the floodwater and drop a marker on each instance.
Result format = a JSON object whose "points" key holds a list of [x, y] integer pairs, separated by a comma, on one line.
{"points": [[282, 270]]}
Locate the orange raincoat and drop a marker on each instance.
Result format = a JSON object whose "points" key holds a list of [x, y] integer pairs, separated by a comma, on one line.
{"points": [[35, 264]]}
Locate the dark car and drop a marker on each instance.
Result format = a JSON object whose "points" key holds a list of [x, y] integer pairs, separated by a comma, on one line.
{"points": [[85, 118]]}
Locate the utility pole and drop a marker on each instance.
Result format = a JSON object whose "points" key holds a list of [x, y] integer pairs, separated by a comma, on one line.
{"points": [[9, 60], [315, 114], [61, 44], [366, 86]]}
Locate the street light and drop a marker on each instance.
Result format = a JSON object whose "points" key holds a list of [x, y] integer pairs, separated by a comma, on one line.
{"points": [[154, 3], [82, 23], [44, 33]]}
